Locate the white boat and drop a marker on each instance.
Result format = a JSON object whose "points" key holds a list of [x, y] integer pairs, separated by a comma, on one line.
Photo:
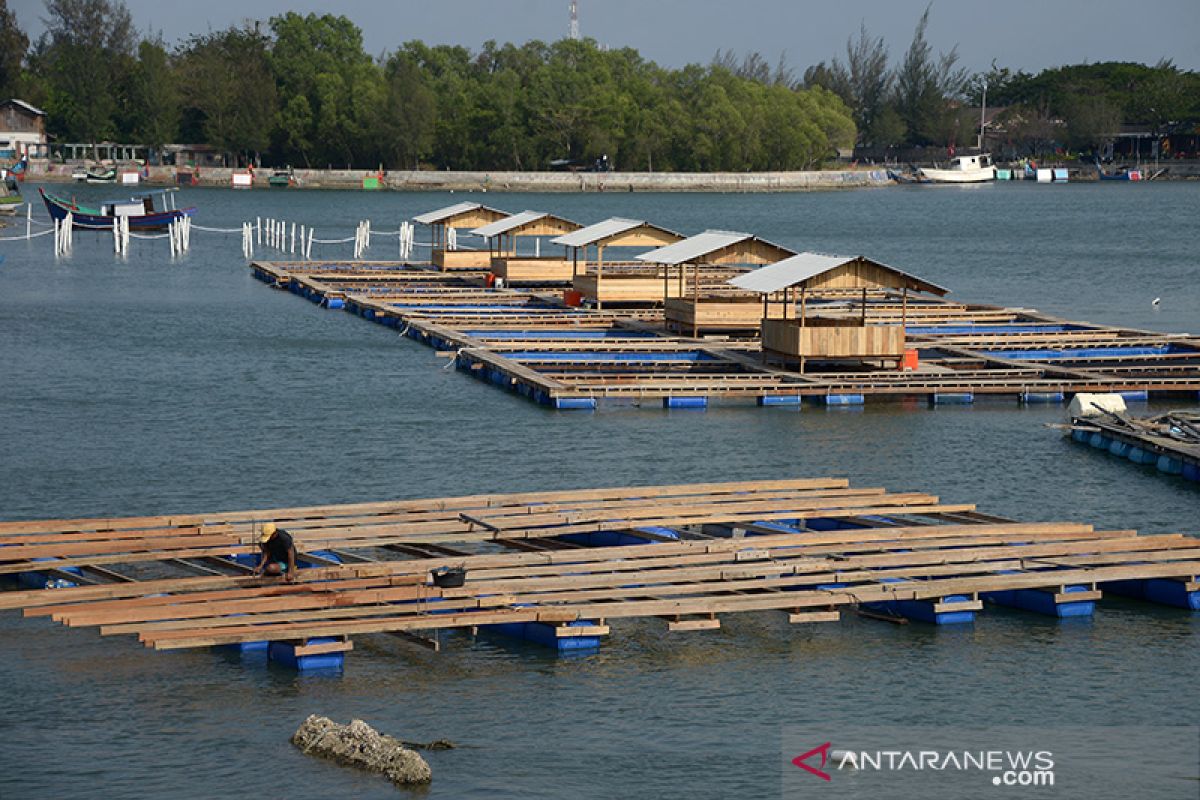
{"points": [[965, 169]]}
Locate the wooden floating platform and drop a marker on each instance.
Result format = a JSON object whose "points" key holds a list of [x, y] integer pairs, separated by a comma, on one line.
{"points": [[571, 562], [531, 342], [1170, 442]]}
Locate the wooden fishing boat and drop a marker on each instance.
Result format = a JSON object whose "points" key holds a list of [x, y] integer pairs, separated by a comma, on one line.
{"points": [[1121, 174], [138, 209], [964, 169], [282, 179], [101, 175]]}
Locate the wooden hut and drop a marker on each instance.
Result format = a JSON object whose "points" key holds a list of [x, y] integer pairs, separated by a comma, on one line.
{"points": [[444, 224], [626, 282], [846, 336], [513, 267], [683, 263]]}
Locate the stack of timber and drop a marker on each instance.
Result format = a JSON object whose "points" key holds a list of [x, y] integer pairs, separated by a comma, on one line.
{"points": [[572, 561]]}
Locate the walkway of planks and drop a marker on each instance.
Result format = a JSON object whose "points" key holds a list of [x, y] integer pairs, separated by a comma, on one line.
{"points": [[685, 554], [569, 357]]}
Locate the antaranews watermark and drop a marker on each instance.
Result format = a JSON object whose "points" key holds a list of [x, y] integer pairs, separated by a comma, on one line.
{"points": [[1028, 762]]}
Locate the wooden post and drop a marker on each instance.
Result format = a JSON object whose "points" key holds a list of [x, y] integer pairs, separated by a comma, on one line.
{"points": [[803, 313], [762, 350], [696, 300], [599, 274]]}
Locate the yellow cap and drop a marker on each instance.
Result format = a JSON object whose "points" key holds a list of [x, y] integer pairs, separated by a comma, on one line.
{"points": [[268, 530]]}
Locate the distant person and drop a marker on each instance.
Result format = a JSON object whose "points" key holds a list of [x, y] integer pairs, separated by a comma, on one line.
{"points": [[278, 555]]}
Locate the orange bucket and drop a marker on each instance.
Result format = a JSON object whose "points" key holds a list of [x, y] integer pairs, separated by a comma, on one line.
{"points": [[909, 362], [572, 297]]}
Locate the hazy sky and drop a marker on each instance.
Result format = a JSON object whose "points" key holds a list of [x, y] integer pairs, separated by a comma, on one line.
{"points": [[1025, 34]]}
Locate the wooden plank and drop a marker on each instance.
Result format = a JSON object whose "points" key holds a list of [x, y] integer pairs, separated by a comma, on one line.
{"points": [[693, 625], [323, 647], [578, 631], [949, 606], [806, 617]]}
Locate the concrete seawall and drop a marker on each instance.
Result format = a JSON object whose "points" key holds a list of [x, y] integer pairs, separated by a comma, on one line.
{"points": [[415, 181]]}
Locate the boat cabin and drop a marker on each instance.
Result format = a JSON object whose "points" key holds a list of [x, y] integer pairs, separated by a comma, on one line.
{"points": [[972, 163], [792, 337], [135, 206]]}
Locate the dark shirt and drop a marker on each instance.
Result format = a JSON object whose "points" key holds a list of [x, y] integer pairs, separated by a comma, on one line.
{"points": [[278, 546]]}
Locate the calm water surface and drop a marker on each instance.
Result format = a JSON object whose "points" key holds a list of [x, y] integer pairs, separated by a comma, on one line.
{"points": [[141, 386]]}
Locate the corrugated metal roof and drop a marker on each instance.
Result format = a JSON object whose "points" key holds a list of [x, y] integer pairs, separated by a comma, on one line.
{"points": [[600, 230], [508, 223], [693, 247], [805, 266], [432, 217], [28, 107]]}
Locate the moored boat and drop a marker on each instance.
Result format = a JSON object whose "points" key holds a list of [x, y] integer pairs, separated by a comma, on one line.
{"points": [[965, 169], [282, 179], [1122, 174], [10, 194], [138, 209], [101, 175]]}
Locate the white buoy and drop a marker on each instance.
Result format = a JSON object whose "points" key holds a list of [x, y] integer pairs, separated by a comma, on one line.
{"points": [[293, 252]]}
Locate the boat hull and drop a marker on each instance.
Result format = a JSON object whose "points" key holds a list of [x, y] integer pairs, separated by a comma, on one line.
{"points": [[959, 175], [81, 220]]}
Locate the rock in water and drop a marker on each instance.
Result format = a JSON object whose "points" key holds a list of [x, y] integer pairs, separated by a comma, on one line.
{"points": [[360, 745]]}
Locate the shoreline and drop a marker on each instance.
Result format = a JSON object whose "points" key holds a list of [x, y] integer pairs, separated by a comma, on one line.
{"points": [[544, 182], [432, 181]]}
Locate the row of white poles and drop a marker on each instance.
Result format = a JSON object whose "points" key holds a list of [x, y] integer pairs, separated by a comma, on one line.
{"points": [[362, 238], [63, 235], [180, 234], [279, 234], [120, 231]]}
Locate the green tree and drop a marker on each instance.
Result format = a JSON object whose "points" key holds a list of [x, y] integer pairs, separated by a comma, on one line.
{"points": [[229, 90], [153, 110], [924, 87], [407, 115], [85, 57], [321, 58], [863, 82], [13, 45]]}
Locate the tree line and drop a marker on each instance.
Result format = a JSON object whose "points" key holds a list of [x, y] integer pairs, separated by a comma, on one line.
{"points": [[922, 100], [302, 90]]}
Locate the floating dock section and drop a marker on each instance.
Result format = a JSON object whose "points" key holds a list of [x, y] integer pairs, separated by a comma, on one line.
{"points": [[1170, 442], [561, 566], [568, 357]]}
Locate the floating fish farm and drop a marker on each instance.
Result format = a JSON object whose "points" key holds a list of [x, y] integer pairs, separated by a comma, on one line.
{"points": [[531, 341], [559, 567]]}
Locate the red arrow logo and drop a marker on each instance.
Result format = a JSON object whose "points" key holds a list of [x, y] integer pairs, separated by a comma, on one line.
{"points": [[800, 759]]}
